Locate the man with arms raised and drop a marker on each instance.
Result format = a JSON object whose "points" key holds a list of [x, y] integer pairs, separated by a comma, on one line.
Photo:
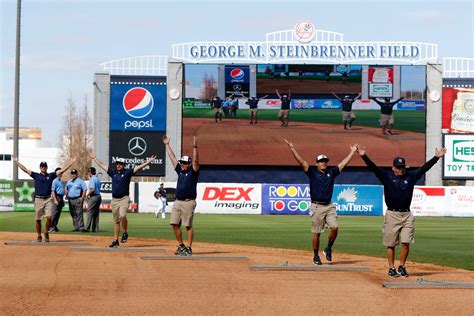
{"points": [[43, 202], [121, 177], [182, 212], [399, 224], [321, 185]]}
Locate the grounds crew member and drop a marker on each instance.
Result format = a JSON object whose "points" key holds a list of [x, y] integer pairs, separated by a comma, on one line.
{"points": [[182, 212], [75, 192], [253, 107], [121, 177], [57, 193], [216, 105], [321, 185], [348, 115], [43, 201], [284, 113], [399, 223], [93, 201], [386, 114]]}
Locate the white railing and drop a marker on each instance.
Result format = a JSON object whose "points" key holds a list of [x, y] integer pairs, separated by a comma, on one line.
{"points": [[154, 65], [457, 67]]}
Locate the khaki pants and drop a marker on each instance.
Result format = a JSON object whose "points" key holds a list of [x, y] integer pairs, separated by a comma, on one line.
{"points": [[43, 207], [182, 213], [346, 116], [386, 119], [323, 215], [398, 227], [284, 114], [120, 208]]}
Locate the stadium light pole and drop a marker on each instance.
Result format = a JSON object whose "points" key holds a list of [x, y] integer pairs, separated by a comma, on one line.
{"points": [[16, 115]]}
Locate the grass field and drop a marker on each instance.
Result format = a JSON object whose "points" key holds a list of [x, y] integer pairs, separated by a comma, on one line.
{"points": [[413, 121], [441, 241]]}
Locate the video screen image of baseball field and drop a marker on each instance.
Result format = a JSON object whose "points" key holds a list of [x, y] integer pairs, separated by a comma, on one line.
{"points": [[316, 123]]}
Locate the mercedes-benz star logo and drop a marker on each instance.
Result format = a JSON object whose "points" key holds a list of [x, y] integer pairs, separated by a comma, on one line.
{"points": [[237, 87], [137, 146]]}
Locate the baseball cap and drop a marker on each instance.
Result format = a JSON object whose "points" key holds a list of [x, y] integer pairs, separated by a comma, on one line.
{"points": [[185, 159], [285, 96], [73, 171], [399, 162], [347, 97], [322, 158], [120, 161], [92, 170], [43, 164]]}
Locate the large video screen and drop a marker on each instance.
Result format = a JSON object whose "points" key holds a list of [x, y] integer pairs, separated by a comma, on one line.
{"points": [[316, 123]]}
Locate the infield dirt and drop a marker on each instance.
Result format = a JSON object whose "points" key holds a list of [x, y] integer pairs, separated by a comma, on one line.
{"points": [[57, 280]]}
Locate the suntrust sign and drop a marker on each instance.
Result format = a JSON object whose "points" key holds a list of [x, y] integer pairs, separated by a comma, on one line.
{"points": [[305, 43]]}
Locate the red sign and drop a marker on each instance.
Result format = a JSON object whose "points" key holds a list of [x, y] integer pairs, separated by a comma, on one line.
{"points": [[380, 75]]}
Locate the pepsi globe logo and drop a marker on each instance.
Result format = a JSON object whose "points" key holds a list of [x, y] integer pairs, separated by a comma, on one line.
{"points": [[237, 74], [138, 102]]}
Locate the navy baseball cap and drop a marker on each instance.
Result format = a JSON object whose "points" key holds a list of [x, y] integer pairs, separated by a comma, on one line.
{"points": [[92, 170], [120, 161], [73, 171], [399, 162], [44, 164]]}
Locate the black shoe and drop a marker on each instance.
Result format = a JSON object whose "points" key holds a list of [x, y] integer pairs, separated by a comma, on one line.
{"points": [[82, 230], [124, 238], [189, 251], [51, 230], [328, 253], [317, 260], [181, 251], [114, 244], [403, 271], [46, 237], [392, 273], [39, 239], [75, 230], [56, 229]]}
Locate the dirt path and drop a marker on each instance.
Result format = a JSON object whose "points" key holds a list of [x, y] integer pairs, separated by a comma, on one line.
{"points": [[236, 142], [56, 280]]}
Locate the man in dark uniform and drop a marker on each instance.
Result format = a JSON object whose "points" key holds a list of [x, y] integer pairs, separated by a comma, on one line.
{"points": [[348, 115], [284, 113], [321, 185], [121, 177], [57, 193], [216, 105], [399, 223], [43, 201], [386, 114], [182, 212], [253, 107]]}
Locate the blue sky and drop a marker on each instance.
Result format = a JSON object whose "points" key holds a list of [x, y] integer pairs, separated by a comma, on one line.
{"points": [[63, 42]]}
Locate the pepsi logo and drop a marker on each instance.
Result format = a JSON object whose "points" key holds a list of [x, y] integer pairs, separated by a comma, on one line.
{"points": [[138, 102], [237, 73]]}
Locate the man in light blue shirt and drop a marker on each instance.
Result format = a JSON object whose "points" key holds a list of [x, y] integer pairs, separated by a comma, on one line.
{"points": [[225, 107], [57, 192], [75, 191], [94, 200]]}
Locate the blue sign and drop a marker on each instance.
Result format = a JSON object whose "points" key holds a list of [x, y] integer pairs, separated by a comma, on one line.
{"points": [[237, 74], [418, 105], [312, 104], [294, 199], [137, 103]]}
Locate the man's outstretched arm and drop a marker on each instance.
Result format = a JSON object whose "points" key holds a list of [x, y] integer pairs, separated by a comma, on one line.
{"points": [[21, 166], [297, 156], [170, 152], [346, 160], [98, 162], [146, 163]]}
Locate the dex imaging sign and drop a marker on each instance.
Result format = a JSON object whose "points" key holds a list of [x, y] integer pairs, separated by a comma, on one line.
{"points": [[459, 158]]}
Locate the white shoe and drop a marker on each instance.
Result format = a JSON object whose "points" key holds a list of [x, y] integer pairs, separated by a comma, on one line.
{"points": [[163, 215]]}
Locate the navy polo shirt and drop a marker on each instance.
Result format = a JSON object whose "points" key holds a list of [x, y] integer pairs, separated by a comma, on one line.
{"points": [[347, 104], [43, 183], [253, 103], [321, 184], [120, 181], [187, 183], [285, 103], [398, 190]]}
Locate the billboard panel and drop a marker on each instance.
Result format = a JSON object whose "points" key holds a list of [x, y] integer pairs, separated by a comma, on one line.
{"points": [[6, 195], [136, 147], [458, 110], [137, 103], [229, 198], [458, 162]]}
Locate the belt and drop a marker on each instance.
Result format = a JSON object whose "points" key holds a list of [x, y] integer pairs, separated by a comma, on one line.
{"points": [[184, 200], [74, 198], [400, 210], [60, 195], [319, 202], [119, 197], [44, 197]]}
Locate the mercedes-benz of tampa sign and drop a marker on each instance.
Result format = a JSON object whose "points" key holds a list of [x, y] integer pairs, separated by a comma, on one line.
{"points": [[306, 44]]}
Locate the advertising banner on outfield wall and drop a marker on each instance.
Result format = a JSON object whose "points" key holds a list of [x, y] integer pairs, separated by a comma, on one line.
{"points": [[429, 201], [458, 162], [294, 199], [458, 108], [6, 195], [137, 103], [229, 198], [461, 201], [24, 195]]}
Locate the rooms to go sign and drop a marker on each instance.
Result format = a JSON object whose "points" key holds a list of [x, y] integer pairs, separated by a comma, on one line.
{"points": [[459, 158]]}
